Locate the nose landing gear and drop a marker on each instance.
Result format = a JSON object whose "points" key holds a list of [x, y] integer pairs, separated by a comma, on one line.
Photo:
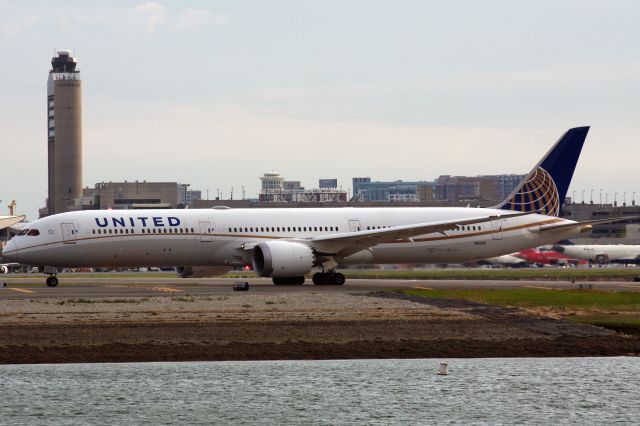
{"points": [[52, 281]]}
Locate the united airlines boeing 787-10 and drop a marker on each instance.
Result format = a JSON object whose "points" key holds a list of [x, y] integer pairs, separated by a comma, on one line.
{"points": [[286, 244]]}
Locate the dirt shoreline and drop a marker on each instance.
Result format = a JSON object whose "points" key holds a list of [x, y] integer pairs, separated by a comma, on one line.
{"points": [[288, 326]]}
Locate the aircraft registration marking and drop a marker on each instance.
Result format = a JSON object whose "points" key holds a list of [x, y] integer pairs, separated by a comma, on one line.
{"points": [[21, 290]]}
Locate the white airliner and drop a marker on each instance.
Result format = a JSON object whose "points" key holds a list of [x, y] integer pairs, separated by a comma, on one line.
{"points": [[601, 253], [8, 222], [285, 244]]}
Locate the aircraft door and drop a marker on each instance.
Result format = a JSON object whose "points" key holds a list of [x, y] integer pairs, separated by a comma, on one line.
{"points": [[69, 233], [354, 225], [206, 229], [496, 229]]}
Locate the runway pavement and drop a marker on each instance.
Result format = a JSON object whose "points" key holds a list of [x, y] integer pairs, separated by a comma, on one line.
{"points": [[78, 286]]}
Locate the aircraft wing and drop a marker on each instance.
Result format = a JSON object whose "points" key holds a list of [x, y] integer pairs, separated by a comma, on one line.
{"points": [[586, 225], [345, 244], [7, 221]]}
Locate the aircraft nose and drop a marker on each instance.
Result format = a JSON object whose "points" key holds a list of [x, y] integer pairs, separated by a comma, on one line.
{"points": [[9, 251]]}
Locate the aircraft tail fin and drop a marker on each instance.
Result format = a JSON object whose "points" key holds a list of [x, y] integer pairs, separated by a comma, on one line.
{"points": [[543, 190]]}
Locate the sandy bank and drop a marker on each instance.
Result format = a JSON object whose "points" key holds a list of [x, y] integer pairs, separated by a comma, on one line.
{"points": [[285, 326]]}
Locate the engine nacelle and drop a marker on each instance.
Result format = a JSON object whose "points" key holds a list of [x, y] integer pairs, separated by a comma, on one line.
{"points": [[4, 269], [601, 259], [201, 271], [282, 259]]}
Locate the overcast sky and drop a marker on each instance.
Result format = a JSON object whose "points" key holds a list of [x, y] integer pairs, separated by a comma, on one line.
{"points": [[215, 93]]}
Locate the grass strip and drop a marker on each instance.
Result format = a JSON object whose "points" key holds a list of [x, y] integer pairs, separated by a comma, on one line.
{"points": [[547, 274], [530, 298]]}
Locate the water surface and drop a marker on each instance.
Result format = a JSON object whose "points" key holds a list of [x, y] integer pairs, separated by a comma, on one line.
{"points": [[480, 391]]}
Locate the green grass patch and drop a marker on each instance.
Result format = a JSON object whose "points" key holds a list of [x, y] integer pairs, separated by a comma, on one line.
{"points": [[560, 274], [530, 298], [608, 320]]}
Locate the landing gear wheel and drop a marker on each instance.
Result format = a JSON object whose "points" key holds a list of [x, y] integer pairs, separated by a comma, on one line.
{"points": [[320, 278], [328, 278], [52, 281]]}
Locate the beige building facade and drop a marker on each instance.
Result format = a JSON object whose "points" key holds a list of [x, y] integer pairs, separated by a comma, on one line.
{"points": [[132, 195]]}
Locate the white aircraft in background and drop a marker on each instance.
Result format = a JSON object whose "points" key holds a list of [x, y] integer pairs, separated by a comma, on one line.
{"points": [[506, 260], [285, 244], [600, 253], [7, 222]]}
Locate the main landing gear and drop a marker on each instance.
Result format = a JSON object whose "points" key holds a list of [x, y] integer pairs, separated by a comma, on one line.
{"points": [[52, 281], [328, 278]]}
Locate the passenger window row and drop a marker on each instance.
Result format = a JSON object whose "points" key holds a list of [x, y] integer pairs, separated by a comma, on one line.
{"points": [[249, 229], [469, 228], [284, 229], [145, 231]]}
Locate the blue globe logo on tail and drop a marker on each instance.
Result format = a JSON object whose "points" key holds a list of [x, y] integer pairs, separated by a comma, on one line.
{"points": [[543, 190], [538, 193]]}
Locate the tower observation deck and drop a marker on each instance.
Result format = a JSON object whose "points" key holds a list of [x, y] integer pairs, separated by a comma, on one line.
{"points": [[64, 132]]}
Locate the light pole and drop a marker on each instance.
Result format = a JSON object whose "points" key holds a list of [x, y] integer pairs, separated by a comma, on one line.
{"points": [[583, 196], [600, 196], [573, 197], [606, 198], [633, 199], [624, 199], [591, 196], [615, 198]]}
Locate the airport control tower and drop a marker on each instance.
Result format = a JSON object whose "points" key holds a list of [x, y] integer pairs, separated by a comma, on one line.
{"points": [[64, 130]]}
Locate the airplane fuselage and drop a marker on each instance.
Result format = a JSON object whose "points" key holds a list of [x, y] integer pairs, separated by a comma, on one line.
{"points": [[201, 237]]}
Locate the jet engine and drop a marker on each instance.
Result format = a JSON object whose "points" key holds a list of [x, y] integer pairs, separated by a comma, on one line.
{"points": [[201, 271], [601, 259], [282, 259], [4, 269]]}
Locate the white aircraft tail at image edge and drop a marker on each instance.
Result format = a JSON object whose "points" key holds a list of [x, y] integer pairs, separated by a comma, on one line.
{"points": [[287, 243]]}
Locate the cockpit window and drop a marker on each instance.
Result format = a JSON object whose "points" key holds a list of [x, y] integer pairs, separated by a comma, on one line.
{"points": [[33, 232], [23, 232]]}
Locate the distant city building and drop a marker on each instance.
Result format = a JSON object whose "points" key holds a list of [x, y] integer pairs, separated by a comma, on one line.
{"points": [[192, 195], [276, 190], [292, 185], [507, 184], [479, 188], [364, 190], [64, 134], [357, 180], [136, 195], [272, 182], [328, 183], [186, 197]]}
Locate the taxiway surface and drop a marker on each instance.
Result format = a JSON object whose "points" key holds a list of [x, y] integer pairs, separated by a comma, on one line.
{"points": [[148, 286]]}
